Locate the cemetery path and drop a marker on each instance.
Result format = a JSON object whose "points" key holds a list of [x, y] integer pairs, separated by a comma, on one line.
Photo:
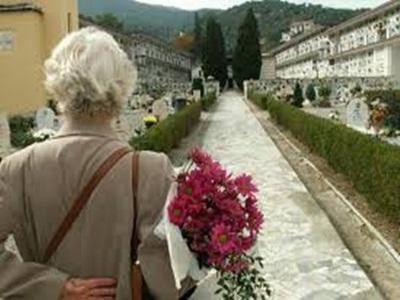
{"points": [[305, 257]]}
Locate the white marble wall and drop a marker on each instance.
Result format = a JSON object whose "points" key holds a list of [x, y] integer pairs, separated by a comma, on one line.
{"points": [[375, 31], [375, 63], [300, 70]]}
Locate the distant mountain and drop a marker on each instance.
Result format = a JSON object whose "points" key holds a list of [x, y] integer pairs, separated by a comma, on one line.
{"points": [[161, 21], [274, 16]]}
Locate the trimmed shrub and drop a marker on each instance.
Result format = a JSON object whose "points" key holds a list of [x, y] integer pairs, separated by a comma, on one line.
{"points": [[21, 131], [168, 134], [310, 93], [298, 98], [208, 101], [261, 99], [372, 166], [324, 92]]}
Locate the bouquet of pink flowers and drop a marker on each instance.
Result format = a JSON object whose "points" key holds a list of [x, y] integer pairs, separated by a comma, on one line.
{"points": [[218, 216]]}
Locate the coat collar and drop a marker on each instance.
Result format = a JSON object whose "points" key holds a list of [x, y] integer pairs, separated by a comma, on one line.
{"points": [[86, 128]]}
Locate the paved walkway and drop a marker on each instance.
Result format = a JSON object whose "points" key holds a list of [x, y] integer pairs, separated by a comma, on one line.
{"points": [[305, 257]]}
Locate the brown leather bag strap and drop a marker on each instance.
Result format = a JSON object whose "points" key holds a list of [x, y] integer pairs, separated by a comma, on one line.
{"points": [[138, 286], [135, 181], [81, 201]]}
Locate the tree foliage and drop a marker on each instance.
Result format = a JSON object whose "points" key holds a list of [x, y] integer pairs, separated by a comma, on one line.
{"points": [[184, 43], [110, 20], [247, 58], [198, 36], [214, 55]]}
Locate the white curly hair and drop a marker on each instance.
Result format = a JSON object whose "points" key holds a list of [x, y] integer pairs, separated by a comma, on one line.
{"points": [[88, 74]]}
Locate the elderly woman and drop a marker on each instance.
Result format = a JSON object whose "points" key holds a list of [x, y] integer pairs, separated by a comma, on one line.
{"points": [[87, 255]]}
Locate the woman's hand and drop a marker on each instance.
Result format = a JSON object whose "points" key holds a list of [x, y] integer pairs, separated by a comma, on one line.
{"points": [[89, 289]]}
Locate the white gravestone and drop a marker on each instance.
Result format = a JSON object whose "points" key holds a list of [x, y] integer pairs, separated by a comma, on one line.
{"points": [[160, 109], [357, 115], [45, 118], [307, 103], [197, 95], [5, 144]]}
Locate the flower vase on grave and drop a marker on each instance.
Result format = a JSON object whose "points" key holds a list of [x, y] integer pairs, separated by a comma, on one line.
{"points": [[378, 119]]}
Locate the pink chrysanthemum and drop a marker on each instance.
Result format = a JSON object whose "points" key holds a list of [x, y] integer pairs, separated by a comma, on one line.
{"points": [[245, 185], [177, 213], [223, 239], [200, 157], [217, 214]]}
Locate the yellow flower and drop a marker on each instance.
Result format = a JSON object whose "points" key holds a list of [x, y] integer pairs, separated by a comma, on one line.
{"points": [[150, 119]]}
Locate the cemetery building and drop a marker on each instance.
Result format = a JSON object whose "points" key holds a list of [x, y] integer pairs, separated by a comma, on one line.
{"points": [[158, 64], [28, 33], [366, 46]]}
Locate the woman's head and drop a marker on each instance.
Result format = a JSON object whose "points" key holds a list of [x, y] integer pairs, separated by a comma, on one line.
{"points": [[89, 75]]}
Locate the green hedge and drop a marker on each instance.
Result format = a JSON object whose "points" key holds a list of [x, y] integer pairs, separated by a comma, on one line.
{"points": [[208, 101], [168, 134], [21, 131], [261, 99], [372, 166]]}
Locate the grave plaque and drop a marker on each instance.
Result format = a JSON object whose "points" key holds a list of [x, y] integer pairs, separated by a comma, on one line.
{"points": [[45, 118]]}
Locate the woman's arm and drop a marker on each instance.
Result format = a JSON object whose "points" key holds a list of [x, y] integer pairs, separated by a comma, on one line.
{"points": [[24, 280], [30, 280], [156, 175]]}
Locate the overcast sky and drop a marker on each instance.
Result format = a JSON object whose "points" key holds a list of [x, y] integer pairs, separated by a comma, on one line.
{"points": [[196, 4]]}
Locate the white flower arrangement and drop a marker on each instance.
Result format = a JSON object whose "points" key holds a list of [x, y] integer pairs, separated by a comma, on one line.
{"points": [[334, 116], [44, 134]]}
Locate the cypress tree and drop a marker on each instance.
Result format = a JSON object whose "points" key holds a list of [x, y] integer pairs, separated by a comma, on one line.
{"points": [[214, 54], [223, 61], [298, 98], [310, 93], [247, 57], [197, 36]]}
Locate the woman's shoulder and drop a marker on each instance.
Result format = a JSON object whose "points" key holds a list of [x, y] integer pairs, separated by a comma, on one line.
{"points": [[18, 158], [153, 163], [153, 157]]}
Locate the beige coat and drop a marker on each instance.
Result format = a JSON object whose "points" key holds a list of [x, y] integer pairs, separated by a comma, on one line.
{"points": [[37, 187]]}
